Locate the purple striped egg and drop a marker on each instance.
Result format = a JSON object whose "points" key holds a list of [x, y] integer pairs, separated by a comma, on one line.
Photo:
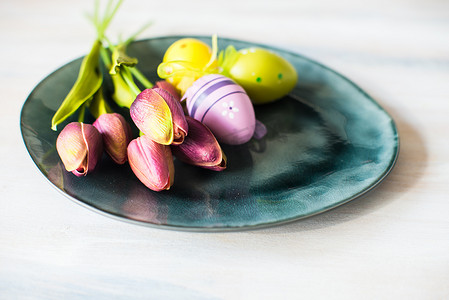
{"points": [[223, 106]]}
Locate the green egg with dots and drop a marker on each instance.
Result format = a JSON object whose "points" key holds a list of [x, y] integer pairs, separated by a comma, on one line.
{"points": [[265, 75]]}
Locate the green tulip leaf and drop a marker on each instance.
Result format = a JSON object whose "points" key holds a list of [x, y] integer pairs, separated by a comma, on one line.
{"points": [[120, 58], [99, 105], [86, 85], [227, 58]]}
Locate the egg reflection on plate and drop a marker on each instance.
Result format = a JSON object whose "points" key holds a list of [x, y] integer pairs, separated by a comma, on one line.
{"points": [[223, 106]]}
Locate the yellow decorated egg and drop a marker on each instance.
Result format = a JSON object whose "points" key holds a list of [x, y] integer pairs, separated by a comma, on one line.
{"points": [[189, 49], [186, 54], [263, 74]]}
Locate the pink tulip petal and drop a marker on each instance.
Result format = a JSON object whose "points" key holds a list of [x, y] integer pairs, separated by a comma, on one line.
{"points": [[116, 134], [200, 148], [152, 116], [152, 163], [180, 126], [71, 146], [94, 143], [169, 88], [80, 147]]}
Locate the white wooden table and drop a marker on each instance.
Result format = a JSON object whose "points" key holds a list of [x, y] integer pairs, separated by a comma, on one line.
{"points": [[392, 243]]}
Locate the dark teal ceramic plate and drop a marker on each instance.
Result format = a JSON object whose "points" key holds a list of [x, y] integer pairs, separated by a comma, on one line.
{"points": [[328, 142]]}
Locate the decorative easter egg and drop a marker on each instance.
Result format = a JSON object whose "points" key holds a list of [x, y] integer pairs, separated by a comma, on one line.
{"points": [[223, 106], [263, 74], [189, 52], [189, 49]]}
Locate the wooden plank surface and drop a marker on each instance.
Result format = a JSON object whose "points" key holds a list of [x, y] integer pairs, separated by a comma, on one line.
{"points": [[392, 243]]}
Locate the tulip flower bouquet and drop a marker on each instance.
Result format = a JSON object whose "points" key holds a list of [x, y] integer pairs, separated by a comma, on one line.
{"points": [[204, 97], [155, 110]]}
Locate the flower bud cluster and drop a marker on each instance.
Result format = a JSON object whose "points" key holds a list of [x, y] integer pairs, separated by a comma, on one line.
{"points": [[166, 131]]}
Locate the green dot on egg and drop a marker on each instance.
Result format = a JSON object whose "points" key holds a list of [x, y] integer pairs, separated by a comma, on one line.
{"points": [[280, 76], [259, 79]]}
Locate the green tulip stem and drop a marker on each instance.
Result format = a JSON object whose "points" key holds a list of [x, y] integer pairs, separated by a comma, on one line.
{"points": [[105, 57], [129, 81], [134, 70], [82, 112], [139, 76], [101, 23]]}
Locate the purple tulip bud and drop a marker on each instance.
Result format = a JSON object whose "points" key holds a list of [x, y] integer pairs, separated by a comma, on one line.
{"points": [[159, 116], [200, 148], [80, 147], [116, 134], [152, 163]]}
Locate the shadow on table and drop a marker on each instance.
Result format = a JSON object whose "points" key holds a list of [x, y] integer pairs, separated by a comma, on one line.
{"points": [[409, 167]]}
